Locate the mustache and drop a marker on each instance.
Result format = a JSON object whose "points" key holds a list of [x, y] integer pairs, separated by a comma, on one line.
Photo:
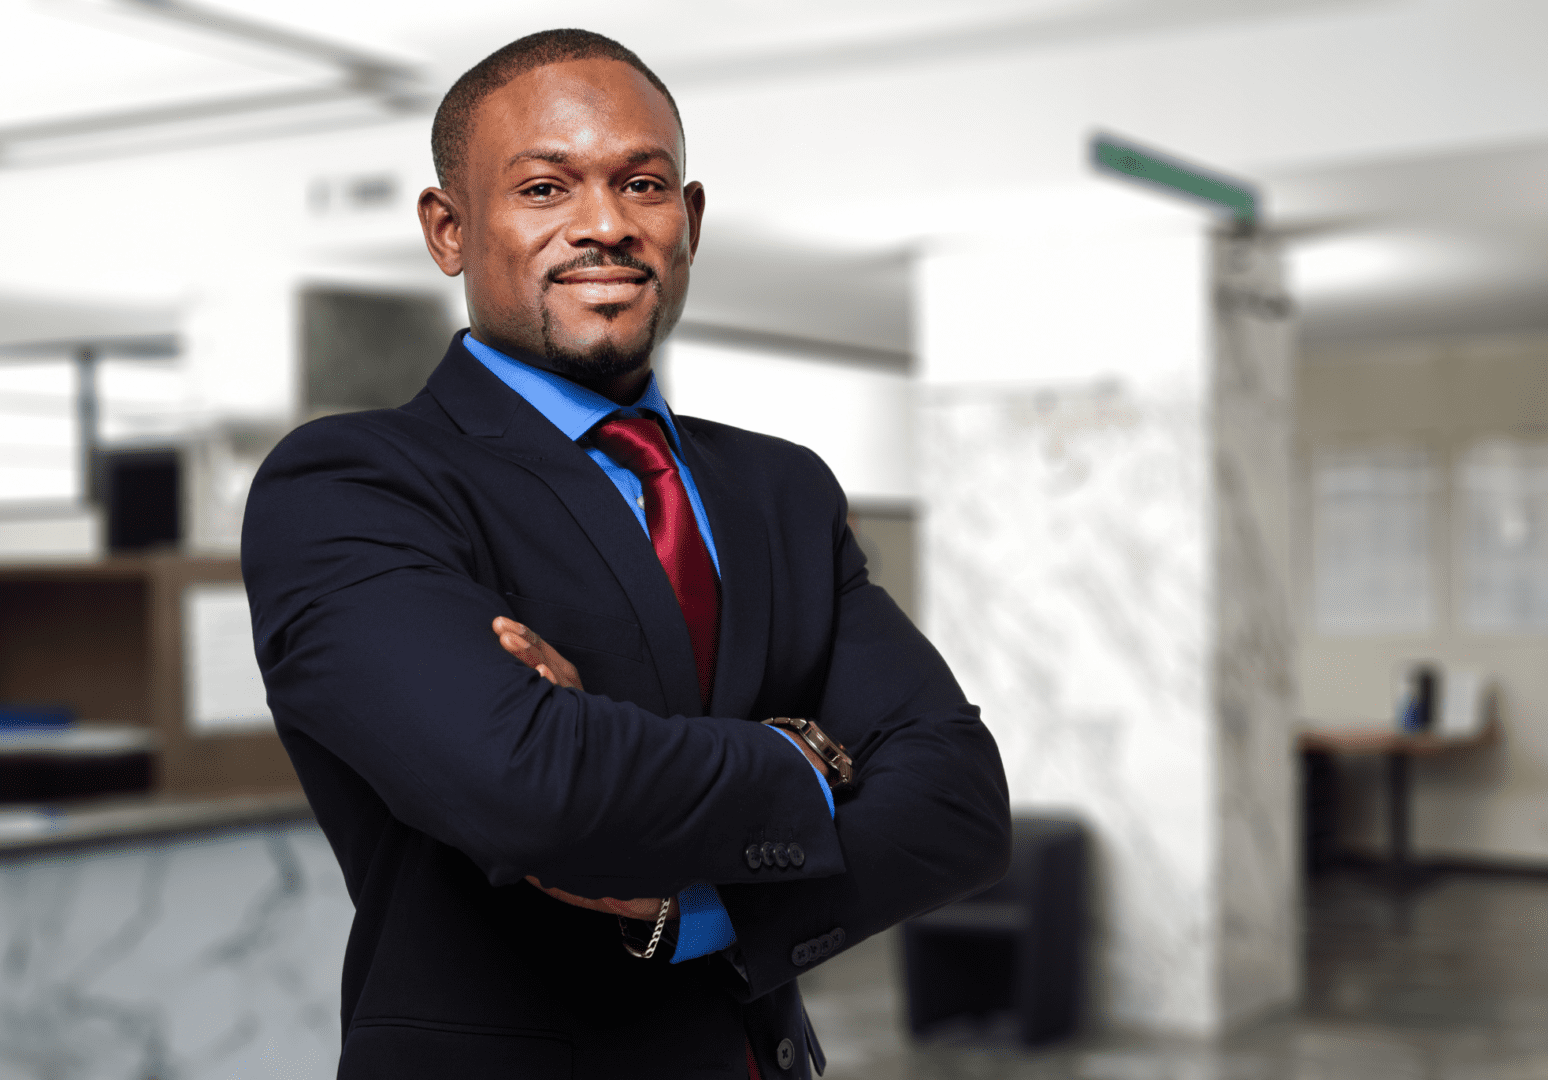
{"points": [[594, 258]]}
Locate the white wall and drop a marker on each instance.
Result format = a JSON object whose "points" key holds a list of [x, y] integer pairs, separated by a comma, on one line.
{"points": [[39, 442], [859, 420]]}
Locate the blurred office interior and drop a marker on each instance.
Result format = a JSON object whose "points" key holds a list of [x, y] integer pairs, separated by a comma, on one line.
{"points": [[1234, 523]]}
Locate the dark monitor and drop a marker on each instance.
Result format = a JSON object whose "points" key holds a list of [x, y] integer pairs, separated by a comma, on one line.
{"points": [[144, 498]]}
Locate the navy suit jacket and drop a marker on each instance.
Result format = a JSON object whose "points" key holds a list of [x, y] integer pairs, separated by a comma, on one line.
{"points": [[378, 547]]}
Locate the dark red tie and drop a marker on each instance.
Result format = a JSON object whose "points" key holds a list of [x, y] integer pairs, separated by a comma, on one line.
{"points": [[640, 446]]}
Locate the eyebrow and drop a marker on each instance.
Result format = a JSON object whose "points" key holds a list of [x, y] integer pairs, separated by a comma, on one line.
{"points": [[561, 157]]}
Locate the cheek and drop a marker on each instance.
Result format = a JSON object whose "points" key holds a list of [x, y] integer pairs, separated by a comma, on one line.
{"points": [[680, 256], [513, 258]]}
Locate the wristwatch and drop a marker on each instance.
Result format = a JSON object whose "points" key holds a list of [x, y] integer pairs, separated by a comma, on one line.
{"points": [[831, 752]]}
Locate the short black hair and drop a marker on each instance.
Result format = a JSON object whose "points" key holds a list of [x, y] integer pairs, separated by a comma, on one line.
{"points": [[454, 119]]}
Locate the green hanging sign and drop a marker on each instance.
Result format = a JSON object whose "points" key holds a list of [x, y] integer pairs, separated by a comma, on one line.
{"points": [[1149, 167]]}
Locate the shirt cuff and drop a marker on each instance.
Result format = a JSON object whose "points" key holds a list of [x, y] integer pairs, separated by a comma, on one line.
{"points": [[827, 792], [703, 924]]}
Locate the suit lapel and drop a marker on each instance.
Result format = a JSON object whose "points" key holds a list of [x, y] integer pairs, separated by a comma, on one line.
{"points": [[745, 576], [485, 408]]}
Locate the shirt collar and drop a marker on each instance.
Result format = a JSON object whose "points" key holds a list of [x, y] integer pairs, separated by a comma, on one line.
{"points": [[570, 407]]}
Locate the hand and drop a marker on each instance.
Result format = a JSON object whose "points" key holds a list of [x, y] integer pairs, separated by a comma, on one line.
{"points": [[523, 643], [644, 910]]}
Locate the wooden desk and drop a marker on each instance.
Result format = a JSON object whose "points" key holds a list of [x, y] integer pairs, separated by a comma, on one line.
{"points": [[1399, 748], [106, 637]]}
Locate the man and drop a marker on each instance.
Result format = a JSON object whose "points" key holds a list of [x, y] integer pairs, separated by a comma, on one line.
{"points": [[581, 855]]}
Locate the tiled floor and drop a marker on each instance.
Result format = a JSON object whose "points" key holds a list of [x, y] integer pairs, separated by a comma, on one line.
{"points": [[1444, 982]]}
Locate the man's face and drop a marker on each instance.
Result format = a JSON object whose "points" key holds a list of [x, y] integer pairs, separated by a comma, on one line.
{"points": [[572, 221]]}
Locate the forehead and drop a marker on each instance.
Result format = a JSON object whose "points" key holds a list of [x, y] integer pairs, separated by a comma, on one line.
{"points": [[592, 108]]}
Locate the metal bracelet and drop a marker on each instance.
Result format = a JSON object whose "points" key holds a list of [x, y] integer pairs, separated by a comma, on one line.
{"points": [[655, 937]]}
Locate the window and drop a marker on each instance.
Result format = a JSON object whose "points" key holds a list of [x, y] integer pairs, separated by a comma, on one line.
{"points": [[1503, 534], [1372, 562]]}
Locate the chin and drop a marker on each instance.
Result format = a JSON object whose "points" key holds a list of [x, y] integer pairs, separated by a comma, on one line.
{"points": [[598, 360], [605, 356]]}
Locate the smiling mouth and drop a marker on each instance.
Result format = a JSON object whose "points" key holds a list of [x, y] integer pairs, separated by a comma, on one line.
{"points": [[601, 275]]}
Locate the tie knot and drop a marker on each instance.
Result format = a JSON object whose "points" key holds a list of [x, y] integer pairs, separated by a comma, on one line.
{"points": [[636, 443]]}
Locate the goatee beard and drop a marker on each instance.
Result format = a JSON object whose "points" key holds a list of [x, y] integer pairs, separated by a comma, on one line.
{"points": [[603, 361], [607, 359]]}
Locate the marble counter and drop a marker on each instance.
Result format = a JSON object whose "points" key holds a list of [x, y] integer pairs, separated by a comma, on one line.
{"points": [[169, 939], [29, 828]]}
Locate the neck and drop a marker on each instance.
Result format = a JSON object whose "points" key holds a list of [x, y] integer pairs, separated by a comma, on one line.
{"points": [[622, 389], [619, 387]]}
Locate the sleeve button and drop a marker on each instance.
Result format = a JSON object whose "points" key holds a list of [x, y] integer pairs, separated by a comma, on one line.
{"points": [[801, 955], [784, 1054], [797, 854], [782, 855], [754, 856], [768, 853]]}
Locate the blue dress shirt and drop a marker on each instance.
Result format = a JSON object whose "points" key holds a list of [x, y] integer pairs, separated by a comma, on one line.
{"points": [[704, 926]]}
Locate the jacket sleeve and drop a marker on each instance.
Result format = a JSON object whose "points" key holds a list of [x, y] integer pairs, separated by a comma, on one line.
{"points": [[374, 639], [929, 818]]}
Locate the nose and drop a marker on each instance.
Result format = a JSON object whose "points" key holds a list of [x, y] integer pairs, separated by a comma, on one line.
{"points": [[600, 219]]}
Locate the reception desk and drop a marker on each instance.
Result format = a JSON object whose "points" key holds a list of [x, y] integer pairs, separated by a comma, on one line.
{"points": [[164, 936]]}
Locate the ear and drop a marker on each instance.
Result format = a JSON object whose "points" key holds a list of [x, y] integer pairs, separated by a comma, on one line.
{"points": [[441, 220], [693, 198]]}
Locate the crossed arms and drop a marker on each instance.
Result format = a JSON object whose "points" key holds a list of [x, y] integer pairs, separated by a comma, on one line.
{"points": [[524, 644], [372, 605]]}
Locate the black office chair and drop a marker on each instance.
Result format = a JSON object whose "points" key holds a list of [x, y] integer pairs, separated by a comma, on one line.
{"points": [[1019, 945]]}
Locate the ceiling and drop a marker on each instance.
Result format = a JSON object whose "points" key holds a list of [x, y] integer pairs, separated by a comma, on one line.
{"points": [[1420, 245]]}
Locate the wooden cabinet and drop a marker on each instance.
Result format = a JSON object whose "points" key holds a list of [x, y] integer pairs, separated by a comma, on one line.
{"points": [[106, 637]]}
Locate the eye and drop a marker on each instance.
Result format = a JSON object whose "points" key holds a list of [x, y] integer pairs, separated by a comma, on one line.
{"points": [[643, 187], [543, 190]]}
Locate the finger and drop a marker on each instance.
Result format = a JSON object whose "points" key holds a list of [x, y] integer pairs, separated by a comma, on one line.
{"points": [[568, 898], [547, 673], [503, 626], [526, 648], [644, 910], [513, 642]]}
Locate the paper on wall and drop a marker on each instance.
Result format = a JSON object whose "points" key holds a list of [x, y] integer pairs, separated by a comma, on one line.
{"points": [[224, 687]]}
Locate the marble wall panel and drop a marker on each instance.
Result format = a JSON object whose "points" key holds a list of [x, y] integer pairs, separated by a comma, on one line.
{"points": [[1254, 687], [1065, 554], [1104, 566], [203, 957]]}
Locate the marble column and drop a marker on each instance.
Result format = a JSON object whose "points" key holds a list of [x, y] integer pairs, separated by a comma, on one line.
{"points": [[1104, 438]]}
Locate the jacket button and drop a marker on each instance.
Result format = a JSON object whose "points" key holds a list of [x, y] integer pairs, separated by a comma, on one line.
{"points": [[782, 855], [768, 853], [837, 934], [784, 1054], [801, 955], [797, 855], [754, 856], [825, 945]]}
